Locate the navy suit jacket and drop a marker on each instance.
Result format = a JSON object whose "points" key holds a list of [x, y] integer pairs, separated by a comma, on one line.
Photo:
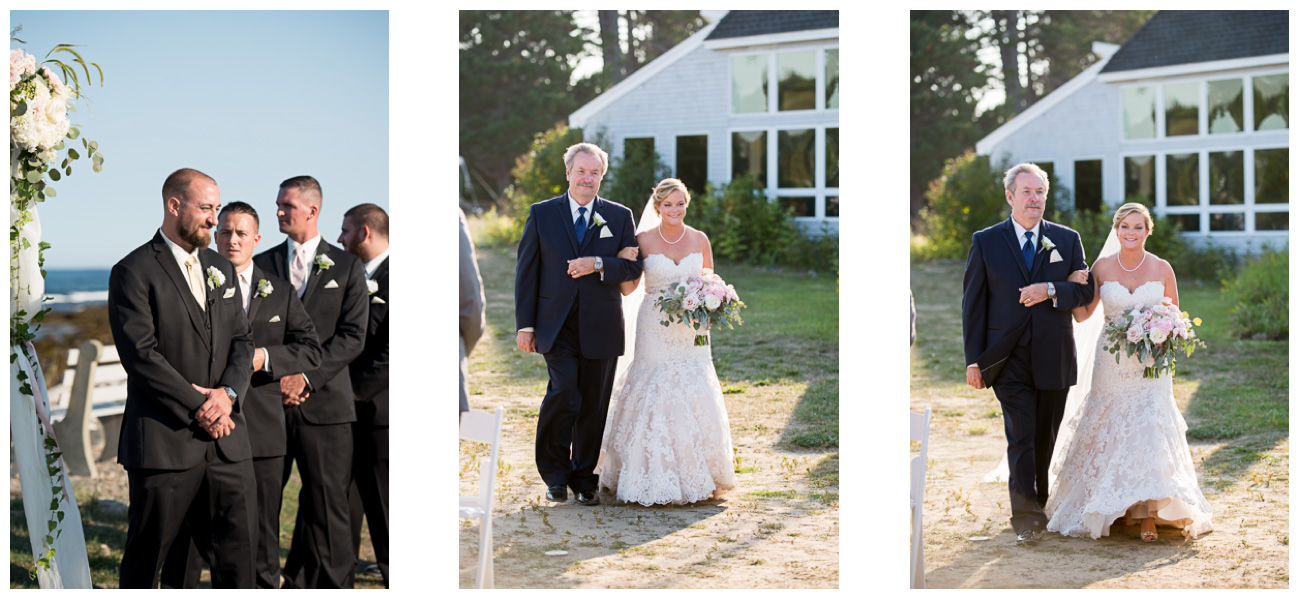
{"points": [[545, 292], [990, 303]]}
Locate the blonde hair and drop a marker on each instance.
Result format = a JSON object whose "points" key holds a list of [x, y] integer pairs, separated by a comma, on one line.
{"points": [[666, 189], [589, 148], [1009, 180], [1133, 207]]}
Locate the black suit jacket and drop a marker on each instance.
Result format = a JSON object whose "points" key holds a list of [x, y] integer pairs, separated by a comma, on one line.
{"points": [[544, 291], [990, 303], [335, 299], [370, 370], [281, 326], [167, 342]]}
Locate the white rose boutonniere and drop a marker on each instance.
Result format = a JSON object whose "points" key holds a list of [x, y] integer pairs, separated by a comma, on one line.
{"points": [[323, 262], [597, 220], [215, 278], [1048, 244], [372, 286], [264, 288]]}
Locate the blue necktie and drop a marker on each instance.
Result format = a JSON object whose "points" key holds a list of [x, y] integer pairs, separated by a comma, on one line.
{"points": [[1029, 250], [580, 226]]}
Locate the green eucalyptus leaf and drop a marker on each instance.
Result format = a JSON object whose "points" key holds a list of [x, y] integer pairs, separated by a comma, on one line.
{"points": [[94, 146], [55, 175], [34, 176], [73, 133], [49, 191], [67, 170], [21, 109], [73, 154]]}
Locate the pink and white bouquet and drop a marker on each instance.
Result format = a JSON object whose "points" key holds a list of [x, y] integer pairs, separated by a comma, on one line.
{"points": [[1153, 334], [701, 302]]}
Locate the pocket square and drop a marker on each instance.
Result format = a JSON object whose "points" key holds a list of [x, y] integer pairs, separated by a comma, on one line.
{"points": [[331, 285], [604, 232], [1056, 256], [275, 319], [229, 292], [377, 300]]}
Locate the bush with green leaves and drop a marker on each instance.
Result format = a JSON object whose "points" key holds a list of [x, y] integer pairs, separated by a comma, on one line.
{"points": [[539, 173], [966, 198], [633, 177], [1259, 297]]}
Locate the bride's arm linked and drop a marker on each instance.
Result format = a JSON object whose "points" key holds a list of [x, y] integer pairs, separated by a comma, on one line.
{"points": [[1171, 282], [1082, 313], [1071, 294], [629, 253]]}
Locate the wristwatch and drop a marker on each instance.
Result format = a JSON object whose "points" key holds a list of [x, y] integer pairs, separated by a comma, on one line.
{"points": [[230, 392], [1051, 290], [600, 265]]}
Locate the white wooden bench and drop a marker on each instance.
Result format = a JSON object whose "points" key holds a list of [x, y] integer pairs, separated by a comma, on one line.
{"points": [[93, 390]]}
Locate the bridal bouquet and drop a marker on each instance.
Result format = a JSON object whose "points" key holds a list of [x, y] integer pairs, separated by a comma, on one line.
{"points": [[1153, 333], [702, 301]]}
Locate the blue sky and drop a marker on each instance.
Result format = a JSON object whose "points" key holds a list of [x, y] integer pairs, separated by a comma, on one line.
{"points": [[248, 97]]}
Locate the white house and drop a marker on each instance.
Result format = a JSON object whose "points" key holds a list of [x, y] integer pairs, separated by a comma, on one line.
{"points": [[754, 91], [1189, 116]]}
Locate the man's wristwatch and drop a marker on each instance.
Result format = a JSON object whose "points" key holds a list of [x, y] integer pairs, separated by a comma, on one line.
{"points": [[600, 265], [231, 392], [1051, 290]]}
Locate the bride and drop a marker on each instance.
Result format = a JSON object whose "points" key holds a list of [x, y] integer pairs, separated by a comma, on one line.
{"points": [[1124, 451], [667, 440]]}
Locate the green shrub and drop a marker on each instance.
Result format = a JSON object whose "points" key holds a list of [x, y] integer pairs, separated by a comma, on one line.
{"points": [[743, 225], [633, 177], [966, 198], [1259, 298], [539, 173], [494, 230]]}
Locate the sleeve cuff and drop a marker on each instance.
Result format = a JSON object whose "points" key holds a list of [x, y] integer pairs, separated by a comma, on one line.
{"points": [[526, 330]]}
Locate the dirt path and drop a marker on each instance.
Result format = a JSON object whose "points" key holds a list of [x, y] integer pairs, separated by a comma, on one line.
{"points": [[1249, 547], [778, 528]]}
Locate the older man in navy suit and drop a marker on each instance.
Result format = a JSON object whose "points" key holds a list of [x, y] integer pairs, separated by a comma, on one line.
{"points": [[567, 306], [1017, 327]]}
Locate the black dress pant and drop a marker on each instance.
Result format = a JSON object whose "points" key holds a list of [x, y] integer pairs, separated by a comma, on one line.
{"points": [[214, 499], [1032, 417], [369, 493], [320, 555], [571, 420]]}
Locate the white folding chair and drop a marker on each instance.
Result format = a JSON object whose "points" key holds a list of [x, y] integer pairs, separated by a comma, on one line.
{"points": [[484, 427], [921, 433]]}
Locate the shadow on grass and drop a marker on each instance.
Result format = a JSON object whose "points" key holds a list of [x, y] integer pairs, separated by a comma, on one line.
{"points": [[815, 422]]}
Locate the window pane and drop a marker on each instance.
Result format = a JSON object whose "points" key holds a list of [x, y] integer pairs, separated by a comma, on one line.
{"points": [[1139, 113], [833, 78], [832, 206], [1182, 179], [749, 83], [1272, 176], [1227, 178], [1272, 221], [1087, 185], [794, 158], [833, 157], [1180, 109], [1140, 179], [1227, 222], [1272, 92], [800, 206], [638, 148], [693, 161], [797, 80], [749, 155], [1225, 106], [1187, 223]]}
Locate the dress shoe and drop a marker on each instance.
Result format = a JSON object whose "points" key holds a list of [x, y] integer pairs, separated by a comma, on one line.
{"points": [[589, 498], [1029, 535], [557, 493]]}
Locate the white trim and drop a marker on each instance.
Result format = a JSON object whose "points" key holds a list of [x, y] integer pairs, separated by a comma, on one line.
{"points": [[1193, 68], [986, 145], [818, 192], [788, 37], [579, 118]]}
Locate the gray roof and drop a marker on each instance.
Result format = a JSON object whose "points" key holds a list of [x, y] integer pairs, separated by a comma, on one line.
{"points": [[1175, 37], [743, 23]]}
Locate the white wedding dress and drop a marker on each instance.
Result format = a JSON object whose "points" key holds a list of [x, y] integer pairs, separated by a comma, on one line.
{"points": [[1124, 452], [667, 440]]}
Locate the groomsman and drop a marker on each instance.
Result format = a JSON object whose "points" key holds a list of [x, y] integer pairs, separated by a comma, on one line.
{"points": [[187, 348], [365, 234], [284, 343], [319, 403]]}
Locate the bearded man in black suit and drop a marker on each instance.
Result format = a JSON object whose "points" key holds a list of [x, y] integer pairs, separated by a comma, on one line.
{"points": [[187, 349], [320, 403]]}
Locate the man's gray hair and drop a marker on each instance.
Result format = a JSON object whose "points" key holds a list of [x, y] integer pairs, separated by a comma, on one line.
{"points": [[589, 148], [1009, 181]]}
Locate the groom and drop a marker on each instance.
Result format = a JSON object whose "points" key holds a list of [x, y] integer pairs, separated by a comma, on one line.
{"points": [[567, 306], [1019, 335]]}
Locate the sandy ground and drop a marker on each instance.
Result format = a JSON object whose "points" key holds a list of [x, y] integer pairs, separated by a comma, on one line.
{"points": [[1249, 547], [778, 529]]}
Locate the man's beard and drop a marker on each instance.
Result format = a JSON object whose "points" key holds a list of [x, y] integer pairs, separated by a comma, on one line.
{"points": [[197, 236]]}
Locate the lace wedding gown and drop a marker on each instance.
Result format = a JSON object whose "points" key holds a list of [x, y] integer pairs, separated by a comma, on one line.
{"points": [[667, 440], [1128, 453]]}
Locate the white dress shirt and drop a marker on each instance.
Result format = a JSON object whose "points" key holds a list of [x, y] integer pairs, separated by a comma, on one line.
{"points": [[181, 256], [374, 263], [247, 287]]}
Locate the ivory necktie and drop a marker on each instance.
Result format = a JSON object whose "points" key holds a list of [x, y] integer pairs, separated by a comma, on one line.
{"points": [[195, 276], [298, 272]]}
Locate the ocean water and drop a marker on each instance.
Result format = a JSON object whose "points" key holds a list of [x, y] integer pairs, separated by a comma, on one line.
{"points": [[71, 289]]}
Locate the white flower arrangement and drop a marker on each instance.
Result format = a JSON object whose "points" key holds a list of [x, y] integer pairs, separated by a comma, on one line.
{"points": [[597, 220], [1048, 244], [215, 278], [372, 286], [323, 262], [264, 288]]}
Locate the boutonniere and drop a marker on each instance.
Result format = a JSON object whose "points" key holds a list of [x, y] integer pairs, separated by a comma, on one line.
{"points": [[372, 286], [323, 262], [1048, 244], [597, 220], [264, 288], [215, 278]]}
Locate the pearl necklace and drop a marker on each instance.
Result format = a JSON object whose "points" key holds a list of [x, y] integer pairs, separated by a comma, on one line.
{"points": [[1121, 263], [661, 235]]}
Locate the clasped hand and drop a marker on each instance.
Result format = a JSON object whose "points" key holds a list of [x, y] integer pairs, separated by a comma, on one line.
{"points": [[214, 414], [1034, 293], [293, 389]]}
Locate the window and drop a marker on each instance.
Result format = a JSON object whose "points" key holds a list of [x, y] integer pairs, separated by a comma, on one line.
{"points": [[1180, 108], [749, 155], [1272, 221], [796, 85], [1186, 223], [1271, 178], [1227, 178], [1271, 95], [749, 83], [800, 206], [832, 157], [1225, 106], [1140, 179], [1139, 113], [693, 161], [832, 206], [833, 78], [638, 148], [1087, 185], [1227, 222], [1182, 179], [795, 159]]}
